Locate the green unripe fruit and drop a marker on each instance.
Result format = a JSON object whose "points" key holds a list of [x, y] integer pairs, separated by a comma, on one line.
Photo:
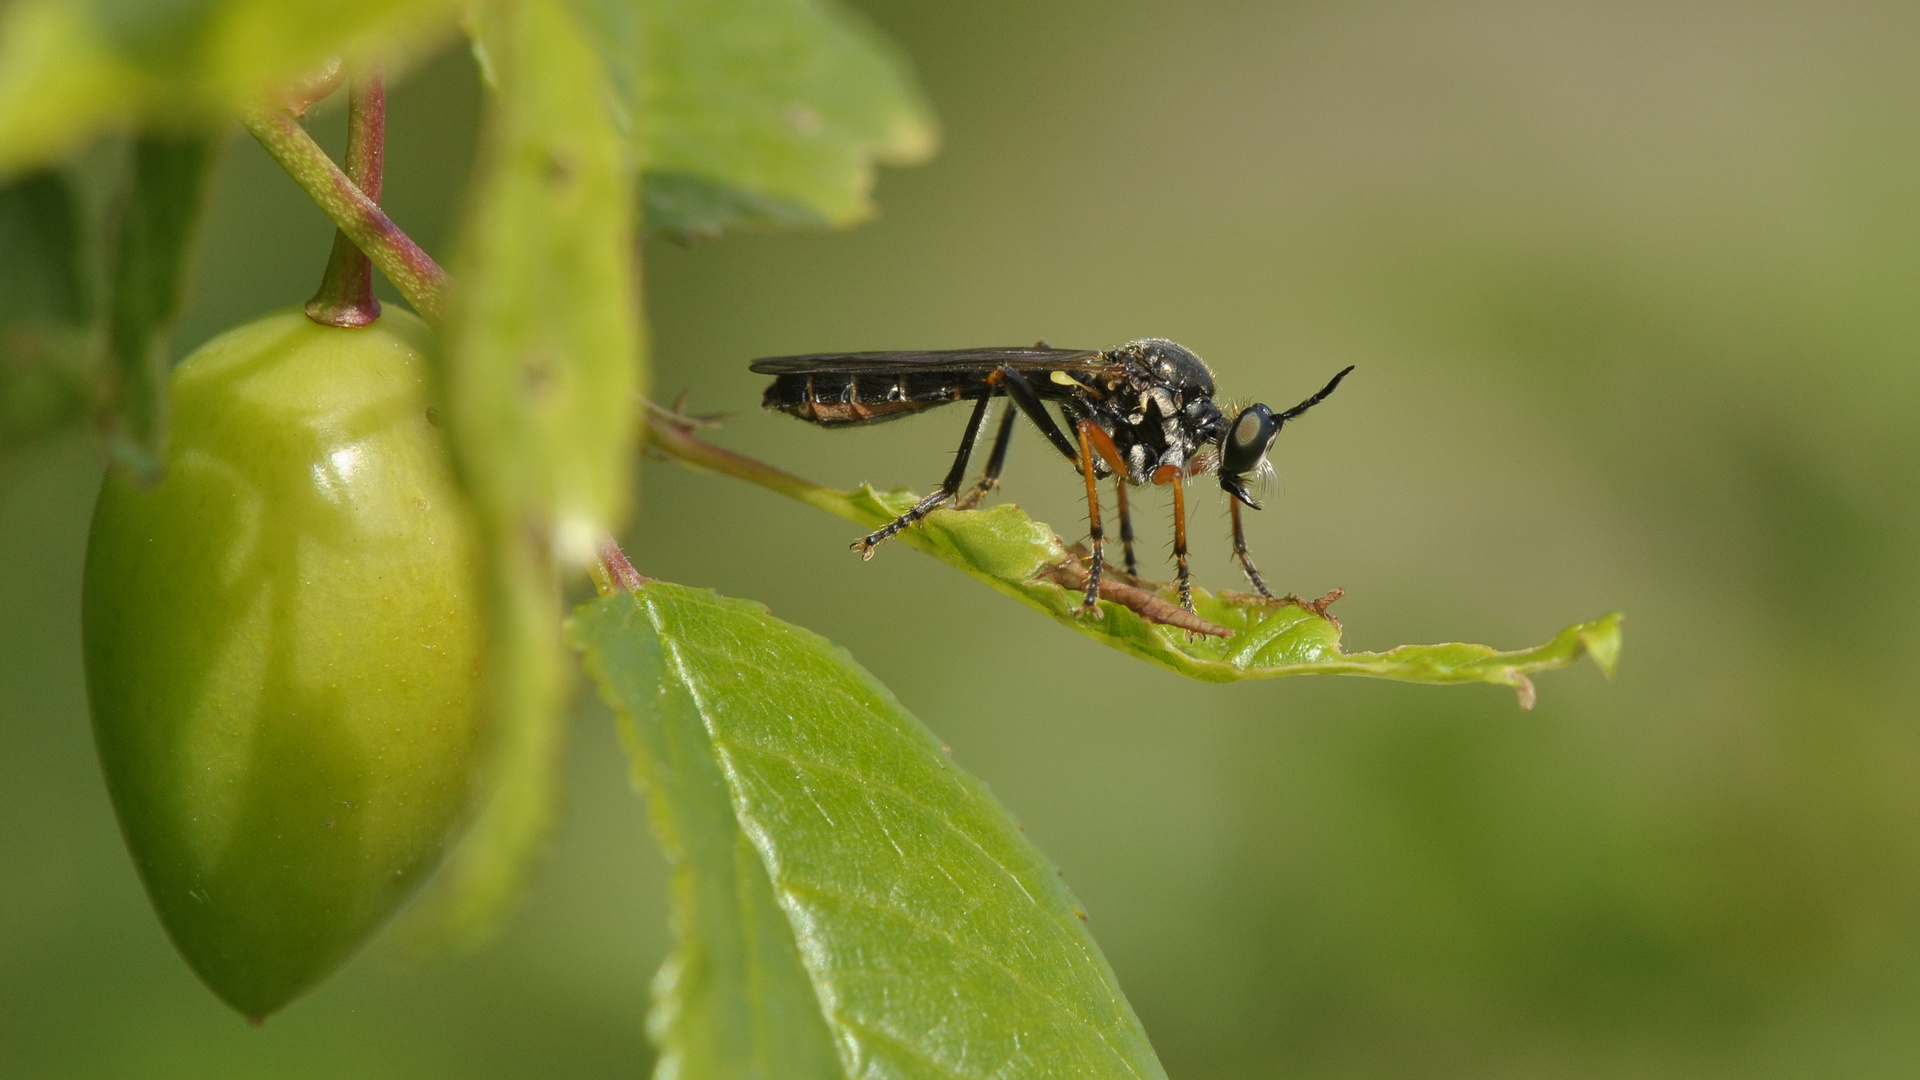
{"points": [[283, 649]]}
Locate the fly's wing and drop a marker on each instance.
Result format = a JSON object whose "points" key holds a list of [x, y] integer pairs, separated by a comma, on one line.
{"points": [[959, 361], [842, 389]]}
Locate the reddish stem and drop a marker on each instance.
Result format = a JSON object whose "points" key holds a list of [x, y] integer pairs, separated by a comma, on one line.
{"points": [[411, 270], [614, 571], [346, 292]]}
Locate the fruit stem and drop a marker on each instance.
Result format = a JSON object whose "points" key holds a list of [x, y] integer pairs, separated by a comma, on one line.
{"points": [[346, 295], [412, 271]]}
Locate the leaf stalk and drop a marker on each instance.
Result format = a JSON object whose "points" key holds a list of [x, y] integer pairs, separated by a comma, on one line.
{"points": [[421, 280], [670, 434], [612, 572]]}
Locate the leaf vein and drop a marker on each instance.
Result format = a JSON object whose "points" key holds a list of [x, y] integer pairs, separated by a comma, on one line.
{"points": [[906, 794], [1099, 1030]]}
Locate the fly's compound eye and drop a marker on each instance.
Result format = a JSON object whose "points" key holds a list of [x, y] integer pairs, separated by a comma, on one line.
{"points": [[1247, 441]]}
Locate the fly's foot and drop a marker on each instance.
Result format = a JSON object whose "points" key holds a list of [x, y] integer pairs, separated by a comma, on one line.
{"points": [[905, 521], [866, 544]]}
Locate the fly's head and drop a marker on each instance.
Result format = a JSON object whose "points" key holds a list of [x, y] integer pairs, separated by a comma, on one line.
{"points": [[1243, 450], [1244, 446]]}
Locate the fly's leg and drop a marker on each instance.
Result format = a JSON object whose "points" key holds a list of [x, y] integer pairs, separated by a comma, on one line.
{"points": [[1180, 540], [1094, 439], [1240, 552], [948, 487], [1126, 522], [1021, 391], [990, 478], [1090, 606]]}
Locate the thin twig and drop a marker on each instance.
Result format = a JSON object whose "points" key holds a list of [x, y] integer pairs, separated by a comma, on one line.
{"points": [[1149, 605], [671, 433], [412, 270]]}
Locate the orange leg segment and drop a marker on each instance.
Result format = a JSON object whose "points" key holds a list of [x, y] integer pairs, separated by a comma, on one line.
{"points": [[1102, 445], [1095, 560]]}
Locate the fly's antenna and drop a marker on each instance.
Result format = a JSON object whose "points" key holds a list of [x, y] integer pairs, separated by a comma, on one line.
{"points": [[1314, 400]]}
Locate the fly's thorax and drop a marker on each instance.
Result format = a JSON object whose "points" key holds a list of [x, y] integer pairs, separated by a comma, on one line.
{"points": [[1193, 436], [1167, 364], [1167, 386], [1164, 416]]}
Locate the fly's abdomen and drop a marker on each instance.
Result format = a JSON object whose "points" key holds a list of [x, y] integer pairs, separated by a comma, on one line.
{"points": [[834, 399]]}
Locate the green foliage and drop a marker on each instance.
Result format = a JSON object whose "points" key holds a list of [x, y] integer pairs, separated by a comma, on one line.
{"points": [[838, 882], [1270, 639], [56, 363], [42, 264], [544, 361], [545, 333], [44, 307], [689, 207], [149, 284], [768, 113], [1263, 638], [839, 885], [72, 69]]}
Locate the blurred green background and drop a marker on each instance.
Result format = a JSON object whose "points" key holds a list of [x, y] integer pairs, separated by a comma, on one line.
{"points": [[1634, 292]]}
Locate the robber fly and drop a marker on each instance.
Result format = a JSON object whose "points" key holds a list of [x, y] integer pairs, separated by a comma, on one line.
{"points": [[1142, 413]]}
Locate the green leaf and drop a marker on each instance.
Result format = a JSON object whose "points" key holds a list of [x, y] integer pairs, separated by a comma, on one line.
{"points": [[769, 113], [544, 362], [72, 69], [45, 350], [544, 337], [42, 280], [840, 888], [689, 207], [157, 230], [1263, 638]]}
